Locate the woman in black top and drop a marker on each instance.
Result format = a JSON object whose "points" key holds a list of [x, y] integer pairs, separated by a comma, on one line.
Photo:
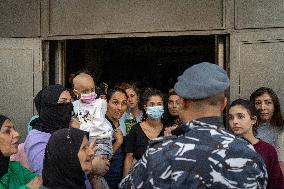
{"points": [[152, 127]]}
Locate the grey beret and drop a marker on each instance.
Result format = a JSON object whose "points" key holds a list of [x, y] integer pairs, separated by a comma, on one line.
{"points": [[201, 81]]}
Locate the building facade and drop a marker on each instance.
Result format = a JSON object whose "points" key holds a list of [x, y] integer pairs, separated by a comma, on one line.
{"points": [[248, 40]]}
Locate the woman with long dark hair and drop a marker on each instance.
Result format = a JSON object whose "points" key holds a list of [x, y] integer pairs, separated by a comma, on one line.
{"points": [[243, 121], [271, 120]]}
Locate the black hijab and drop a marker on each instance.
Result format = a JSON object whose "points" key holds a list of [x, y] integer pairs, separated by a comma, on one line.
{"points": [[61, 165], [52, 116], [4, 161], [37, 101]]}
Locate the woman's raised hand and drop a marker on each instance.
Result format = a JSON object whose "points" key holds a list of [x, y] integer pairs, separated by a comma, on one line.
{"points": [[35, 183]]}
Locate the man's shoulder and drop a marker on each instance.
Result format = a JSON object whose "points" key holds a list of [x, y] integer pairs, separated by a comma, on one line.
{"points": [[208, 152], [196, 131], [161, 141], [202, 128], [206, 127], [211, 134], [202, 138]]}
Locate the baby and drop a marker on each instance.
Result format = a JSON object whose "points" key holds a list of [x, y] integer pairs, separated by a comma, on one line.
{"points": [[91, 114]]}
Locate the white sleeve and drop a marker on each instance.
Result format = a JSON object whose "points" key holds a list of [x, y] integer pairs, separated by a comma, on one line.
{"points": [[100, 109], [98, 122], [85, 127], [75, 107]]}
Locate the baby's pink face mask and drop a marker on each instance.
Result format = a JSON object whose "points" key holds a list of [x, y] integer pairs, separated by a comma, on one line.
{"points": [[88, 98]]}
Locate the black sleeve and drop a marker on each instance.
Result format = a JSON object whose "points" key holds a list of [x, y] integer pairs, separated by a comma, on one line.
{"points": [[131, 139]]}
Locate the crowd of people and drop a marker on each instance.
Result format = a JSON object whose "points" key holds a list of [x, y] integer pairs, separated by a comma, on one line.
{"points": [[125, 137]]}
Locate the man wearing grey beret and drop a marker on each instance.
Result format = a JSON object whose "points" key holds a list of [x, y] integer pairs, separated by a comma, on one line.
{"points": [[204, 155]]}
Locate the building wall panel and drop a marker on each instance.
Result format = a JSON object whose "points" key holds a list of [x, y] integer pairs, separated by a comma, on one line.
{"points": [[73, 17], [259, 13], [19, 18], [20, 79], [257, 61]]}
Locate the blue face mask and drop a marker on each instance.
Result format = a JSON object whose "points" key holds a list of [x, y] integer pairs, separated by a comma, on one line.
{"points": [[155, 112]]}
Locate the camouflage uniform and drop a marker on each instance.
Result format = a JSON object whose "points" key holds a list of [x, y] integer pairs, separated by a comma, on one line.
{"points": [[206, 156]]}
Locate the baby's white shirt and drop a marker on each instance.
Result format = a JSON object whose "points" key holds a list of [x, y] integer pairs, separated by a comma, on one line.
{"points": [[92, 118]]}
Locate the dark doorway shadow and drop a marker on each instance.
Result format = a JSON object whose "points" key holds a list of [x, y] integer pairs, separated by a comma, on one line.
{"points": [[149, 61]]}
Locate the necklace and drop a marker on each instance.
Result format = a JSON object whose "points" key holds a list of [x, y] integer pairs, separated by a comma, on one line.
{"points": [[151, 131]]}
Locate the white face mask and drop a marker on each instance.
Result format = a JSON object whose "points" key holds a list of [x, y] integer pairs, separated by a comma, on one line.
{"points": [[155, 112]]}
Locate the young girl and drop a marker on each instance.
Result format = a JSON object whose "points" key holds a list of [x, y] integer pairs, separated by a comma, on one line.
{"points": [[243, 122]]}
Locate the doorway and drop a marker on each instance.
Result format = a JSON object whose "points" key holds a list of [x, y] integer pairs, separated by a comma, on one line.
{"points": [[148, 62]]}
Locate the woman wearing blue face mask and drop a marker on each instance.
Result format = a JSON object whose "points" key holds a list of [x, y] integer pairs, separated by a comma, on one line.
{"points": [[141, 133]]}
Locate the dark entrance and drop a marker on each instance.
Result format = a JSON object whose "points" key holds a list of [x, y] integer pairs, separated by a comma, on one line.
{"points": [[149, 61]]}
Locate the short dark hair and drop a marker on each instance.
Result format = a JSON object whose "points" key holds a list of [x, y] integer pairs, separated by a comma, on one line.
{"points": [[277, 118], [111, 91], [148, 92], [167, 97], [130, 86], [133, 86], [172, 92], [250, 109]]}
